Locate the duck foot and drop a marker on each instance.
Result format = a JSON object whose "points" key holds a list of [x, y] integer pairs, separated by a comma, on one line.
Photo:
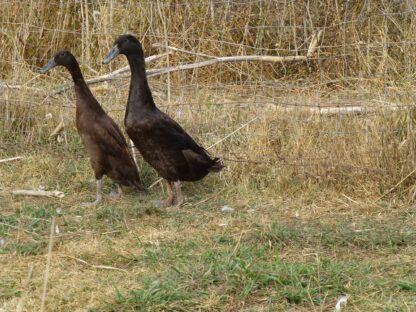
{"points": [[161, 204], [116, 194], [180, 199], [91, 204], [99, 197], [164, 204]]}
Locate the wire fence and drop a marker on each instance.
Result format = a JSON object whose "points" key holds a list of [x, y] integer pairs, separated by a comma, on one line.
{"points": [[348, 108]]}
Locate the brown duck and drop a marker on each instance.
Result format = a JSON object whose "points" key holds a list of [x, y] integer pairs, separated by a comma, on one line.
{"points": [[106, 146], [163, 143]]}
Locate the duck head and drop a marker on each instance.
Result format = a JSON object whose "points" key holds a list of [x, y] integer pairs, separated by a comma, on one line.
{"points": [[125, 44], [61, 58]]}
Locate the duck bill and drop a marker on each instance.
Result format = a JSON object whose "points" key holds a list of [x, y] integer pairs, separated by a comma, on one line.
{"points": [[51, 64], [112, 54]]}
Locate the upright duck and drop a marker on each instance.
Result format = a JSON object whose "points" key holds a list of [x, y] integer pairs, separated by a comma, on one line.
{"points": [[161, 141], [106, 146]]}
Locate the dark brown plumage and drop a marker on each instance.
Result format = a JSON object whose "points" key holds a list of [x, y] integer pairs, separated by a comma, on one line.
{"points": [[106, 145], [161, 141]]}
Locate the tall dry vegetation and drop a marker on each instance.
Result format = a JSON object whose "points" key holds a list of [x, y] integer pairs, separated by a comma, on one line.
{"points": [[365, 58]]}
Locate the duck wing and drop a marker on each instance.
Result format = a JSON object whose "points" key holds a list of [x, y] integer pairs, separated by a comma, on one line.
{"points": [[175, 134], [109, 137]]}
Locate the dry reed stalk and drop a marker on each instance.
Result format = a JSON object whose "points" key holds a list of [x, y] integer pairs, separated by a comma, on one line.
{"points": [[10, 159], [165, 32]]}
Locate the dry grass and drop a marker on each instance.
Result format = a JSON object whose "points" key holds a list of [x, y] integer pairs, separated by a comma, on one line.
{"points": [[309, 223]]}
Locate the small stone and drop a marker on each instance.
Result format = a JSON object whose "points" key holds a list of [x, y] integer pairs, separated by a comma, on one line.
{"points": [[341, 301], [226, 208]]}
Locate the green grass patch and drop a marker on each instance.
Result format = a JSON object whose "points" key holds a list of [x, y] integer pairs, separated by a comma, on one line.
{"points": [[192, 275], [367, 235]]}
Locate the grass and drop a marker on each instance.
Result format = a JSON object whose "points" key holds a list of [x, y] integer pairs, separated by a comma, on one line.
{"points": [[300, 236], [318, 208], [271, 254]]}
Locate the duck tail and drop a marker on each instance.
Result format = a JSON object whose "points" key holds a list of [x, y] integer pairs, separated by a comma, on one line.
{"points": [[216, 165]]}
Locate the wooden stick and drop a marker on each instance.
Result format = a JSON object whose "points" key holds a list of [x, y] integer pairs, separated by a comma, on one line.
{"points": [[226, 59], [212, 61], [47, 268], [39, 193], [10, 159], [218, 142]]}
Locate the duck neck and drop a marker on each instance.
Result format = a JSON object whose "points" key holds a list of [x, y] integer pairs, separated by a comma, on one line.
{"points": [[83, 93], [140, 95]]}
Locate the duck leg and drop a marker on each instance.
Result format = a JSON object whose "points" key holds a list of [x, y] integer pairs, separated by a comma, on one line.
{"points": [[116, 194], [179, 196], [99, 196], [168, 202]]}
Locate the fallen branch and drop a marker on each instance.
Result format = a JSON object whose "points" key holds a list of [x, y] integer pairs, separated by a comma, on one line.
{"points": [[231, 59], [225, 59], [10, 159], [212, 61], [39, 193]]}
